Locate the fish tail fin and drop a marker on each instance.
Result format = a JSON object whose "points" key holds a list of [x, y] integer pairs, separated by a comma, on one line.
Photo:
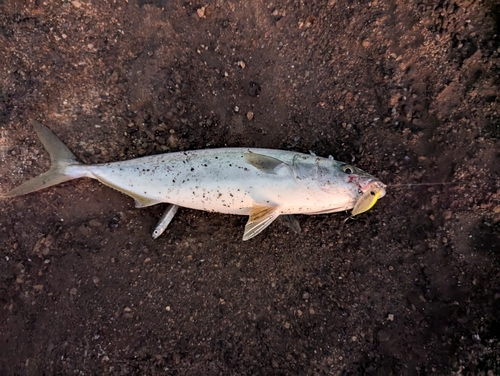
{"points": [[61, 159]]}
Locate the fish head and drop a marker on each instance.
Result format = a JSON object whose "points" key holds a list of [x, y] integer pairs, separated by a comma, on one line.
{"points": [[365, 188]]}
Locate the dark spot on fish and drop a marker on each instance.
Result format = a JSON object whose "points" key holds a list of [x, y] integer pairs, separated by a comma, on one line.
{"points": [[192, 168]]}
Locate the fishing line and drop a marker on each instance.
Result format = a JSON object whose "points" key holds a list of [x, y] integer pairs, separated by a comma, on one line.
{"points": [[443, 183]]}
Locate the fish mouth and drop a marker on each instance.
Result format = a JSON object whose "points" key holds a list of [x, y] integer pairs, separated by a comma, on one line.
{"points": [[373, 185]]}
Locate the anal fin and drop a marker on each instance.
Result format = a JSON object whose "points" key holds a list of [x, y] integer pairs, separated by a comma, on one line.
{"points": [[261, 216], [140, 201]]}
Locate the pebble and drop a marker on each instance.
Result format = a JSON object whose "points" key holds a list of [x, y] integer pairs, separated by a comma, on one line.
{"points": [[95, 223], [383, 336], [249, 115], [201, 12], [172, 141]]}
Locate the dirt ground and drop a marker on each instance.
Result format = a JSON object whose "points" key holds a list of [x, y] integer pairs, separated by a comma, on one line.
{"points": [[406, 90]]}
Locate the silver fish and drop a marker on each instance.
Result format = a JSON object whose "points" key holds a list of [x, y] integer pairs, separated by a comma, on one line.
{"points": [[260, 183]]}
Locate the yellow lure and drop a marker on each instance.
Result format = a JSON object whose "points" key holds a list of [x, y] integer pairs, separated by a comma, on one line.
{"points": [[366, 201]]}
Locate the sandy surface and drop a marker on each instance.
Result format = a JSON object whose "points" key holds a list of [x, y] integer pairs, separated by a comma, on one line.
{"points": [[406, 90]]}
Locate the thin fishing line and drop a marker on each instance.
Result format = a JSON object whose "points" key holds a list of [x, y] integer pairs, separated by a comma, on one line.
{"points": [[443, 183]]}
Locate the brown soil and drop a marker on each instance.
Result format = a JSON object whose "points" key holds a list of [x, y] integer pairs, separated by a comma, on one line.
{"points": [[408, 90]]}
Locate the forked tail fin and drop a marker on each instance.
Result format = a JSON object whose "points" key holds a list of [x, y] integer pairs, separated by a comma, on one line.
{"points": [[60, 157]]}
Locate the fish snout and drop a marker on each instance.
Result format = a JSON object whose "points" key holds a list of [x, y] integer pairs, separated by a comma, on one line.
{"points": [[378, 186], [373, 186]]}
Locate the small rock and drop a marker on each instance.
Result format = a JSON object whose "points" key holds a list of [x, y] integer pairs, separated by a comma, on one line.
{"points": [[73, 291], [249, 115], [95, 223], [172, 141], [38, 287], [201, 12], [383, 336]]}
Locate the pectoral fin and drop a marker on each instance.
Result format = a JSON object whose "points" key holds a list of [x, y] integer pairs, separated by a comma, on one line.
{"points": [[261, 216], [264, 163], [366, 202]]}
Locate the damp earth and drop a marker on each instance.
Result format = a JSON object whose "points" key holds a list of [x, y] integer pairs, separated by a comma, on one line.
{"points": [[406, 90]]}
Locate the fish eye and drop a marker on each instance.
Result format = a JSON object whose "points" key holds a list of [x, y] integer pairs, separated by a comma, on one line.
{"points": [[347, 169], [372, 193]]}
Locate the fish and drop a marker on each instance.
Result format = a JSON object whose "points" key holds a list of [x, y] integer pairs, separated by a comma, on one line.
{"points": [[262, 184]]}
